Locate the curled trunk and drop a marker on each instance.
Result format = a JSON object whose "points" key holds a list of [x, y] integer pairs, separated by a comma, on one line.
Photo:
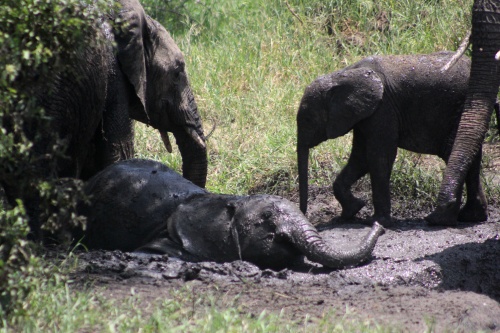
{"points": [[307, 239]]}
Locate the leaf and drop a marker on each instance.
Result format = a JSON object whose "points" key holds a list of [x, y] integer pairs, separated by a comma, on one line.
{"points": [[26, 54]]}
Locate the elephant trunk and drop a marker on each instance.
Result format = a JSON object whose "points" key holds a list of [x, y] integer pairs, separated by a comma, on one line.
{"points": [[483, 88], [303, 165], [306, 239], [194, 163], [191, 142]]}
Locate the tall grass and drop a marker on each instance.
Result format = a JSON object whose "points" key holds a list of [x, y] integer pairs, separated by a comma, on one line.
{"points": [[249, 62]]}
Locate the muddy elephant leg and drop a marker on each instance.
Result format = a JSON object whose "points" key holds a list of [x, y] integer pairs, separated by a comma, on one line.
{"points": [[118, 126], [114, 139], [475, 208], [380, 162], [355, 168]]}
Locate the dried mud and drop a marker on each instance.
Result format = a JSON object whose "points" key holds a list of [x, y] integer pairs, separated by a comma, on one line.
{"points": [[421, 278]]}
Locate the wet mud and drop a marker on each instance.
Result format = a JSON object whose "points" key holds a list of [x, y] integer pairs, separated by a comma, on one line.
{"points": [[421, 278]]}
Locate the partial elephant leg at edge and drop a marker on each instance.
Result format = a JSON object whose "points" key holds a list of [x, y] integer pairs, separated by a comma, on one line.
{"points": [[475, 208]]}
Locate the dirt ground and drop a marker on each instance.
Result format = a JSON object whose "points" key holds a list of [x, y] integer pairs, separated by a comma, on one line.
{"points": [[421, 278]]}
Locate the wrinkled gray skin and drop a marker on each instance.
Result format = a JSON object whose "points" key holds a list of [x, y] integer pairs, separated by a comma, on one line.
{"points": [[142, 205], [481, 95], [388, 102], [136, 72]]}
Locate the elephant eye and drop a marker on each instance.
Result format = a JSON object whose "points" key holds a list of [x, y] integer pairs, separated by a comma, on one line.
{"points": [[177, 75], [267, 214]]}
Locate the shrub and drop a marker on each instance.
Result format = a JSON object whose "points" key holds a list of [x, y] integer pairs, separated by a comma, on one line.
{"points": [[37, 39]]}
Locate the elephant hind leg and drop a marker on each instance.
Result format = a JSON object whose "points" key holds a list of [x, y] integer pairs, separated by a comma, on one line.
{"points": [[475, 208]]}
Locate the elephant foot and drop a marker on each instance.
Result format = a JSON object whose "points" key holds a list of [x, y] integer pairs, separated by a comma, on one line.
{"points": [[352, 208], [385, 221], [445, 215], [473, 213]]}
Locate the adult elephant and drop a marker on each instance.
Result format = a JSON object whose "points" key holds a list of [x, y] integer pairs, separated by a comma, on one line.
{"points": [[132, 70], [136, 72], [481, 95], [143, 205]]}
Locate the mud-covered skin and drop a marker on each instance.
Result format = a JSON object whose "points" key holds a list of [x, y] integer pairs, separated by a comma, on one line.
{"points": [[143, 205], [388, 102], [129, 201]]}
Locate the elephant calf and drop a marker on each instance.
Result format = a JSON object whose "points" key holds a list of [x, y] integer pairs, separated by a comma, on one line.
{"points": [[389, 102], [142, 205]]}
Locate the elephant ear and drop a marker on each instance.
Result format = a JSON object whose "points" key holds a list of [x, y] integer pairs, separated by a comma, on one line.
{"points": [[130, 33], [231, 207], [354, 95]]}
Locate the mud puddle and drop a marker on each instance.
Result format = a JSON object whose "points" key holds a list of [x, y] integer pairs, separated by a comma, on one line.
{"points": [[420, 277]]}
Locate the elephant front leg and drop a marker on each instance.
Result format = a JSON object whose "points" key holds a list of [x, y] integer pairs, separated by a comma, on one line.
{"points": [[355, 168], [380, 161]]}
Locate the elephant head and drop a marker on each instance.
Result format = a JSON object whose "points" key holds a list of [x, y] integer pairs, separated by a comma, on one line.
{"points": [[266, 230], [330, 107], [162, 98]]}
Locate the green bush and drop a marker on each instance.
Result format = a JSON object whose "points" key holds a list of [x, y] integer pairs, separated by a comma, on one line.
{"points": [[37, 39], [16, 260]]}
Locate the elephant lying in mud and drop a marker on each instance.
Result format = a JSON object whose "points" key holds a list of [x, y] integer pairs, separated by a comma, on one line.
{"points": [[388, 102], [143, 205]]}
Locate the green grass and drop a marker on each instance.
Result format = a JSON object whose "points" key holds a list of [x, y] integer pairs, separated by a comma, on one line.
{"points": [[55, 307], [249, 62]]}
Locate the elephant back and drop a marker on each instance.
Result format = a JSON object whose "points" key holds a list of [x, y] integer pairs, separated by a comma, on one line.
{"points": [[428, 103], [419, 73], [129, 199]]}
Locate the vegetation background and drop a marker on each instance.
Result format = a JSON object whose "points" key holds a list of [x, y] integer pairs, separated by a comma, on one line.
{"points": [[249, 62]]}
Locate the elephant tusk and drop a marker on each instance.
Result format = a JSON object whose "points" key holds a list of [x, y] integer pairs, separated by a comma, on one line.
{"points": [[195, 136], [166, 141], [458, 54], [497, 56]]}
